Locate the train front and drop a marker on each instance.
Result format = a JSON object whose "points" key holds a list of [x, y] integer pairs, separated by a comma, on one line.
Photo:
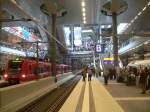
{"points": [[13, 71]]}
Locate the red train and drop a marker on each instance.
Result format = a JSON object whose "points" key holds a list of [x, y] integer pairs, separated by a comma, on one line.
{"points": [[19, 70]]}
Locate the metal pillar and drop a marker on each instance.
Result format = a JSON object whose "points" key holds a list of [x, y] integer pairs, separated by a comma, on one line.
{"points": [[115, 39], [94, 59], [37, 52], [53, 47], [72, 37], [0, 17]]}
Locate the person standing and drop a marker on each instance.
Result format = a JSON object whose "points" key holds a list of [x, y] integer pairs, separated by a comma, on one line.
{"points": [[143, 79]]}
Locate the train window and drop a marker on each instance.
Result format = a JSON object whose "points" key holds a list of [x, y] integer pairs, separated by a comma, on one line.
{"points": [[15, 65], [35, 71]]}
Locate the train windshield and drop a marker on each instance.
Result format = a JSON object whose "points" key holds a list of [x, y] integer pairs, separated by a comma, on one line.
{"points": [[15, 66]]}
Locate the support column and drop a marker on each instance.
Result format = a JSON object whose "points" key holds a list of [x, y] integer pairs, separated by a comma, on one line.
{"points": [[115, 39], [0, 17], [37, 52], [53, 47], [72, 37], [0, 30]]}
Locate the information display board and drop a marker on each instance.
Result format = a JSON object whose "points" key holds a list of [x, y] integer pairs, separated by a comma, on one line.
{"points": [[100, 48]]}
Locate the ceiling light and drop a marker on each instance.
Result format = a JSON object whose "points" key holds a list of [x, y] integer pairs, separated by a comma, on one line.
{"points": [[83, 9], [146, 43], [132, 21], [148, 3], [109, 26], [139, 13], [144, 8], [135, 17], [121, 27], [83, 4], [129, 24], [14, 1], [87, 31], [84, 22], [102, 26], [84, 18], [84, 14]]}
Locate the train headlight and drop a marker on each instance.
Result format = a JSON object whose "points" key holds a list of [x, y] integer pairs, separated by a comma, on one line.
{"points": [[23, 75], [5, 76]]}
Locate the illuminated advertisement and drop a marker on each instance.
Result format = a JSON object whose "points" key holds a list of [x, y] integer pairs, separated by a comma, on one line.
{"points": [[77, 36], [22, 33], [67, 33]]}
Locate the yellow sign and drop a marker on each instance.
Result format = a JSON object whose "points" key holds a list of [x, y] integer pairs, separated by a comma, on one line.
{"points": [[108, 59]]}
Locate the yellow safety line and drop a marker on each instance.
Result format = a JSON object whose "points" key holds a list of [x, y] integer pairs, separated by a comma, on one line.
{"points": [[71, 102], [104, 102], [85, 106]]}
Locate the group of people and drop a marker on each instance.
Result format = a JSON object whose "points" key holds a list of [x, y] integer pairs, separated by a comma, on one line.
{"points": [[141, 75], [87, 72], [107, 73]]}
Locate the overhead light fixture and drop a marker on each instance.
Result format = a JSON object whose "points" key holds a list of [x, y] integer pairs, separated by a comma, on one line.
{"points": [[132, 21], [121, 27], [83, 9], [102, 26], [135, 17], [129, 24], [84, 18], [14, 1], [109, 26], [144, 8], [139, 13], [84, 14], [146, 43], [87, 31], [84, 22], [83, 4]]}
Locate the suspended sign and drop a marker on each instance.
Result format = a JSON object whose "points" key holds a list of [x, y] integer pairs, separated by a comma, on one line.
{"points": [[100, 48], [108, 59]]}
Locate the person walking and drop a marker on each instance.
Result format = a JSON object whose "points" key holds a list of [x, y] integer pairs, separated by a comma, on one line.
{"points": [[106, 75], [89, 75], [84, 71]]}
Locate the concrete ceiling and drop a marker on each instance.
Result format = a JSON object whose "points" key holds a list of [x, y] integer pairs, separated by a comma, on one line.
{"points": [[74, 13]]}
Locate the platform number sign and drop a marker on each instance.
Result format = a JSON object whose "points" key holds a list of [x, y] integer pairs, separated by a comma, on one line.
{"points": [[98, 48]]}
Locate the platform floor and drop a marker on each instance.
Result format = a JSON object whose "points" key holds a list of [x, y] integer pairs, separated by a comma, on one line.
{"points": [[129, 97], [90, 97], [94, 96]]}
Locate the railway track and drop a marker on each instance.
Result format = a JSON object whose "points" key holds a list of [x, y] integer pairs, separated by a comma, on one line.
{"points": [[4, 84], [52, 101]]}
